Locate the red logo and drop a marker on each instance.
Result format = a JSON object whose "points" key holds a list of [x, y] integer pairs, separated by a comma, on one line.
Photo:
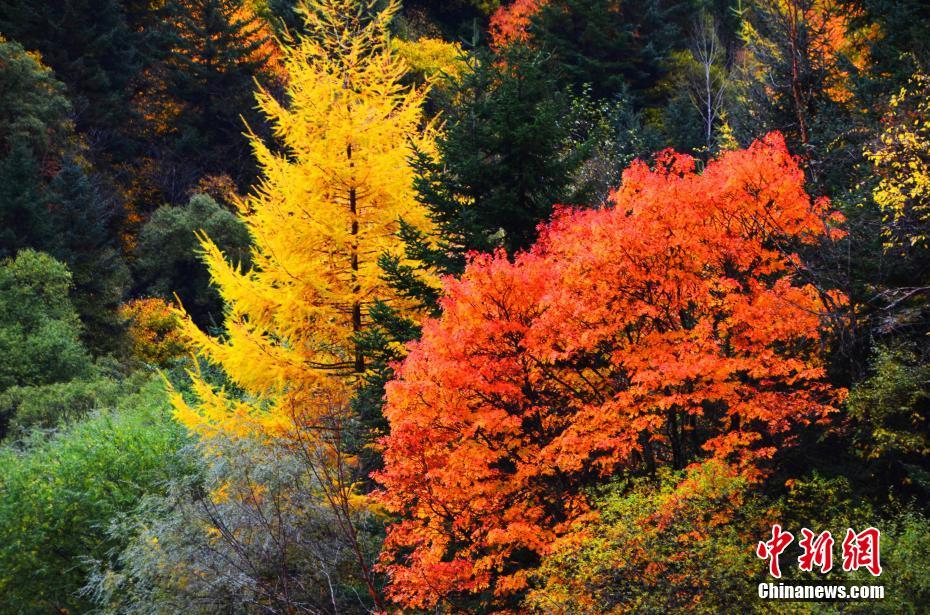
{"points": [[860, 550], [818, 551], [771, 549]]}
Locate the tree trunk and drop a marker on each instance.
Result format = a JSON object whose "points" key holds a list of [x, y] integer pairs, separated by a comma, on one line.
{"points": [[356, 286]]}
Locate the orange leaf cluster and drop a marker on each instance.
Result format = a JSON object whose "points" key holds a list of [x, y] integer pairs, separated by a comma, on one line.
{"points": [[671, 327], [510, 22], [834, 42]]}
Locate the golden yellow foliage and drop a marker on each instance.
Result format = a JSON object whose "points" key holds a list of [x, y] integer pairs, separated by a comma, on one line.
{"points": [[326, 208], [433, 58], [902, 160]]}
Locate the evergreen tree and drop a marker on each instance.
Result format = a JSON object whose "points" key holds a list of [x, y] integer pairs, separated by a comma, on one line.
{"points": [[509, 153], [505, 158], [611, 43], [24, 219], [49, 198], [216, 49], [91, 48], [84, 219], [70, 218]]}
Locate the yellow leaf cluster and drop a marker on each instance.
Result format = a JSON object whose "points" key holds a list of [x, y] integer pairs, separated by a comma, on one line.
{"points": [[433, 58], [902, 161]]}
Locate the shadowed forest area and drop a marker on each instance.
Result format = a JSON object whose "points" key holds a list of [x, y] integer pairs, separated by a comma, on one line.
{"points": [[474, 306]]}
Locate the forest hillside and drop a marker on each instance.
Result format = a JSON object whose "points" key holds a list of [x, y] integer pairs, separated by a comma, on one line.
{"points": [[472, 306]]}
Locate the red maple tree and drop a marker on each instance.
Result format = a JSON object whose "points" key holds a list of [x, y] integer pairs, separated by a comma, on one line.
{"points": [[673, 326]]}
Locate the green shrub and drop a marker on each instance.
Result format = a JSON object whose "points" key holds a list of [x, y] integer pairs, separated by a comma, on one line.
{"points": [[890, 414], [50, 405], [59, 493], [39, 327], [679, 545]]}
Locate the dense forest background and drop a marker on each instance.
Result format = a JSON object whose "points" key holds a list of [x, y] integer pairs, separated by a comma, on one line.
{"points": [[344, 306]]}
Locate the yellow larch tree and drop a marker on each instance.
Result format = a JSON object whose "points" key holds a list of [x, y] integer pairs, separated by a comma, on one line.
{"points": [[334, 186], [326, 208]]}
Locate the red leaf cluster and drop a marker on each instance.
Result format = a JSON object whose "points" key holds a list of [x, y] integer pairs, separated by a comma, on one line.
{"points": [[510, 22], [673, 326]]}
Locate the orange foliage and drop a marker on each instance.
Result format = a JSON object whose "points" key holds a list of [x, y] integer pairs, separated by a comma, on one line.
{"points": [[268, 52], [158, 105], [220, 188], [670, 327], [510, 22], [154, 329], [257, 36], [833, 39]]}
